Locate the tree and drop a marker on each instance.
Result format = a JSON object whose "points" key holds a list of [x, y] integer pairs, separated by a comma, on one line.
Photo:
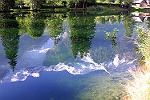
{"points": [[6, 5], [72, 3], [54, 3], [82, 32], [118, 1], [10, 37], [21, 22], [54, 25], [112, 37], [35, 4], [85, 3], [112, 20], [34, 24], [127, 2], [129, 23], [143, 44], [100, 19]]}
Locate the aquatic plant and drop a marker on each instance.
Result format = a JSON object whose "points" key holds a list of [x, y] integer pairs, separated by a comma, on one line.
{"points": [[104, 87]]}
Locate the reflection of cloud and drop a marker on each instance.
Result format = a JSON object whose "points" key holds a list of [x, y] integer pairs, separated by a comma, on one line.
{"points": [[36, 56], [78, 66], [116, 60], [120, 63]]}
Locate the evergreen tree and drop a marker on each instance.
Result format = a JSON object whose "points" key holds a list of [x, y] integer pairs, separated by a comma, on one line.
{"points": [[10, 37]]}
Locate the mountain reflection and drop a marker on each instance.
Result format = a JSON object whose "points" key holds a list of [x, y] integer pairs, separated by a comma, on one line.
{"points": [[77, 66], [36, 42]]}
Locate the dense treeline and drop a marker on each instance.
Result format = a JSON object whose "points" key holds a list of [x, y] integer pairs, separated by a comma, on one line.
{"points": [[6, 5]]}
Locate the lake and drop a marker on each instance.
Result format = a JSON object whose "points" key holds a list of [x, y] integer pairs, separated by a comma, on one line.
{"points": [[67, 56]]}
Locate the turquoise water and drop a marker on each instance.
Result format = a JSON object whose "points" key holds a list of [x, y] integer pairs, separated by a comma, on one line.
{"points": [[66, 56]]}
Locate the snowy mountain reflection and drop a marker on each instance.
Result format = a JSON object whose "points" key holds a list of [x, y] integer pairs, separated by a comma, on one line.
{"points": [[30, 63], [47, 54]]}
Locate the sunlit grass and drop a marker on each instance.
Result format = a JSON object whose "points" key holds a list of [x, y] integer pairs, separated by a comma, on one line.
{"points": [[139, 88]]}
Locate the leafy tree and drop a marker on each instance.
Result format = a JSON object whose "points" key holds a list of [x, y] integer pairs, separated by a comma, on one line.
{"points": [[100, 20], [143, 44], [118, 1], [129, 24], [86, 2], [112, 20], [127, 2], [34, 24], [35, 4], [76, 2], [54, 25], [82, 32], [54, 3], [112, 37], [22, 27], [118, 18], [6, 5], [18, 2], [72, 3]]}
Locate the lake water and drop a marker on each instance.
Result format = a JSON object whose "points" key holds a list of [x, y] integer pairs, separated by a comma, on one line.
{"points": [[66, 56]]}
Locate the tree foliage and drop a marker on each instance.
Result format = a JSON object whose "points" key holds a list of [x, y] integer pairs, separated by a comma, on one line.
{"points": [[129, 24], [10, 37], [6, 5], [34, 25], [54, 25], [82, 32]]}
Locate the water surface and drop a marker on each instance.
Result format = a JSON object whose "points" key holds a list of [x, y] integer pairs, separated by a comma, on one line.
{"points": [[66, 56]]}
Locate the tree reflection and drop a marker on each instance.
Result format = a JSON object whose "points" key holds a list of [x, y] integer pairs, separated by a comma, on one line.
{"points": [[129, 24], [22, 26], [82, 32], [108, 18], [112, 37], [34, 24], [54, 25], [10, 37]]}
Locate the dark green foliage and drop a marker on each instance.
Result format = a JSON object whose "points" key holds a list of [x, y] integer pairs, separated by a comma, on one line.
{"points": [[129, 23], [82, 32], [35, 4], [10, 37], [6, 5], [54, 25], [34, 25], [112, 37]]}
